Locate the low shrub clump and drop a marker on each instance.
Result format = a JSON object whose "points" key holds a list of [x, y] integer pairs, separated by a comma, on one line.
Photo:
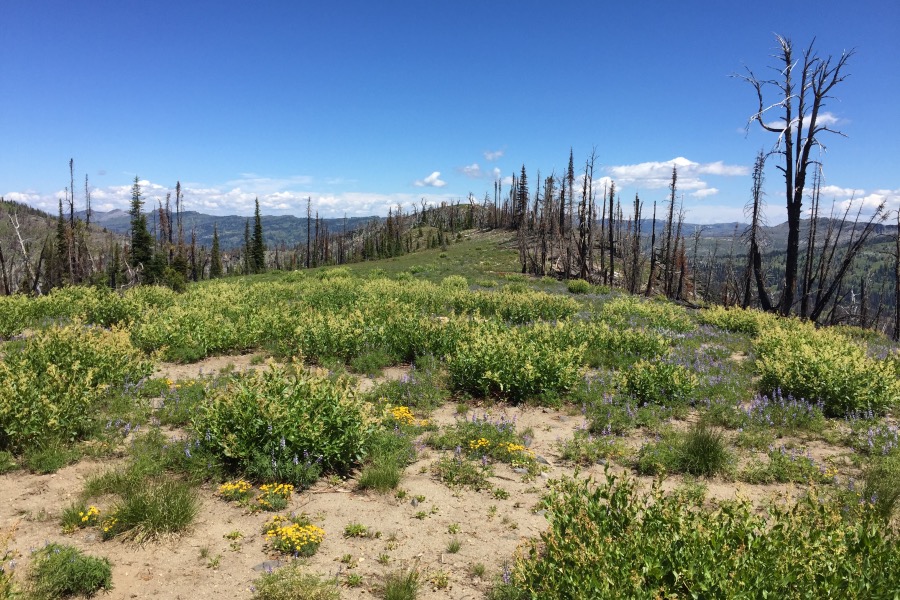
{"points": [[610, 541], [52, 388], [738, 320], [270, 424], [662, 383], [824, 365], [518, 363]]}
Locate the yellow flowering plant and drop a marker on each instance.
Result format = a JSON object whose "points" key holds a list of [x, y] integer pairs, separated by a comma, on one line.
{"points": [[293, 535]]}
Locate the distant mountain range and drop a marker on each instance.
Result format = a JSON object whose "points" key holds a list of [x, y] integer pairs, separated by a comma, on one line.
{"points": [[291, 230], [286, 229]]}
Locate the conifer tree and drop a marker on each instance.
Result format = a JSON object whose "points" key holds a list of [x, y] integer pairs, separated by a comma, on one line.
{"points": [[258, 247], [141, 241]]}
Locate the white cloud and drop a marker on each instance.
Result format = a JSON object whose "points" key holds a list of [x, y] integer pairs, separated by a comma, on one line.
{"points": [[433, 180], [496, 173], [493, 155], [870, 202], [822, 119], [656, 175], [703, 193], [230, 200], [473, 170], [833, 191]]}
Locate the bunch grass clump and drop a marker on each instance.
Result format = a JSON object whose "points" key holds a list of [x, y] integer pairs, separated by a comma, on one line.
{"points": [[292, 583], [59, 571]]}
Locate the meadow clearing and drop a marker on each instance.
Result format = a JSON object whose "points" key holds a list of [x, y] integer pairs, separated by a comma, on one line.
{"points": [[435, 426]]}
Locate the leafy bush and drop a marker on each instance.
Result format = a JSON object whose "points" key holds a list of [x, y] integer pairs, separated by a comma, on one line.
{"points": [[823, 365], [578, 286], [481, 437], [422, 388], [14, 315], [881, 485], [51, 389], [631, 311], [457, 470], [279, 424], [517, 363], [666, 384], [738, 320], [59, 571], [584, 448], [610, 541]]}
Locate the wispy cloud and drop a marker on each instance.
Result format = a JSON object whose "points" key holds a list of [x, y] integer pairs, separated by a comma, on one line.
{"points": [[433, 180], [474, 171], [705, 192], [226, 199], [658, 174], [491, 156]]}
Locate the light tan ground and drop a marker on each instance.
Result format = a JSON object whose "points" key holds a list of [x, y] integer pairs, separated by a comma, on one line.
{"points": [[490, 528]]}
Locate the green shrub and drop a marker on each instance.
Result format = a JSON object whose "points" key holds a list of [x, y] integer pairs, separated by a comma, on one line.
{"points": [[578, 286], [632, 311], [457, 470], [738, 320], [291, 583], [281, 424], [422, 388], [666, 384], [584, 448], [517, 363], [60, 571], [455, 282], [881, 485], [823, 365], [480, 437], [14, 315], [610, 541], [51, 389]]}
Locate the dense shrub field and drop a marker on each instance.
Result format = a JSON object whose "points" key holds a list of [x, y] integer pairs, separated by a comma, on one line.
{"points": [[661, 390]]}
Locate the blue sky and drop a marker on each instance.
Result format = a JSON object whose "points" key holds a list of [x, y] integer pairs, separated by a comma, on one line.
{"points": [[364, 105]]}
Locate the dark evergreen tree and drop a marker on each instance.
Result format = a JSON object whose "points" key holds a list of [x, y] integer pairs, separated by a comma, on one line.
{"points": [[141, 241], [258, 247]]}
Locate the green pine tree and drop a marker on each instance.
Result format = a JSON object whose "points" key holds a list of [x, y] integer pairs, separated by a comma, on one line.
{"points": [[141, 241], [258, 247], [215, 263]]}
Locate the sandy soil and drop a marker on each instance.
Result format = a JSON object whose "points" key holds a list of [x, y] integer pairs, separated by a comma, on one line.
{"points": [[490, 529]]}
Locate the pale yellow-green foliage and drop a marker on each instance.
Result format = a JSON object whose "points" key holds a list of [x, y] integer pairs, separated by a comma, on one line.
{"points": [[739, 320], [824, 364]]}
